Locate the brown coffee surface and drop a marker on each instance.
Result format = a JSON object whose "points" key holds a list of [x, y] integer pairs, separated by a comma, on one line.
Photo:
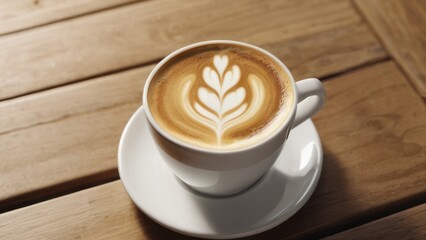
{"points": [[220, 96]]}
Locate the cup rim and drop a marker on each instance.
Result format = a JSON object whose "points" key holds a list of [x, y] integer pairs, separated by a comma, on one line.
{"points": [[181, 143]]}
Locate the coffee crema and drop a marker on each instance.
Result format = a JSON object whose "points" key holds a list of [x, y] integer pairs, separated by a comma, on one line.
{"points": [[220, 96]]}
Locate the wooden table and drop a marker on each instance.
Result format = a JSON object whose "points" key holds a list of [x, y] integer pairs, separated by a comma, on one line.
{"points": [[72, 73]]}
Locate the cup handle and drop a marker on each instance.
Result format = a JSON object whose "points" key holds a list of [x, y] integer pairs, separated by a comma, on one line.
{"points": [[311, 97]]}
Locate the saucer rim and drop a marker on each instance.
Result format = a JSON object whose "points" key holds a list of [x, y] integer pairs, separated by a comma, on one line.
{"points": [[301, 201]]}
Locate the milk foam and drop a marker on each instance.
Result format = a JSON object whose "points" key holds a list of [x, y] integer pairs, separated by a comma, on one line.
{"points": [[219, 101]]}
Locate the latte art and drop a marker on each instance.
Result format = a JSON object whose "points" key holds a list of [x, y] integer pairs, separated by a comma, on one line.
{"points": [[217, 107], [227, 97]]}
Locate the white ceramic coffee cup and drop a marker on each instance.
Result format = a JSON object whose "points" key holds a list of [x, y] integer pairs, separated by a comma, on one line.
{"points": [[224, 172]]}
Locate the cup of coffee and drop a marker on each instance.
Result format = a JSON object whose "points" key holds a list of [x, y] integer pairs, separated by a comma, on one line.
{"points": [[221, 111]]}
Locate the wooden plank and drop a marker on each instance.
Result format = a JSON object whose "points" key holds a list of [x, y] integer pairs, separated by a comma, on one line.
{"points": [[408, 224], [103, 212], [24, 14], [374, 162], [65, 137], [401, 27], [143, 33]]}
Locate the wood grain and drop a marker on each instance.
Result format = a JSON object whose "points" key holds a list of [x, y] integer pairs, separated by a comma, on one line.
{"points": [[401, 27], [18, 15], [49, 148], [374, 161], [408, 225], [333, 34], [65, 137]]}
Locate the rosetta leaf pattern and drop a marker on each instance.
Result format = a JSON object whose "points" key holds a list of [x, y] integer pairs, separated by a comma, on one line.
{"points": [[220, 104], [217, 100]]}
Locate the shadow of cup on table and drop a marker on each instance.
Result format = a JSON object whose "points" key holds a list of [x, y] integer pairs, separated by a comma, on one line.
{"points": [[321, 213]]}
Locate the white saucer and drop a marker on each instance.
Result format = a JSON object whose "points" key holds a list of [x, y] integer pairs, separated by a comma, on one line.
{"points": [[269, 202]]}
